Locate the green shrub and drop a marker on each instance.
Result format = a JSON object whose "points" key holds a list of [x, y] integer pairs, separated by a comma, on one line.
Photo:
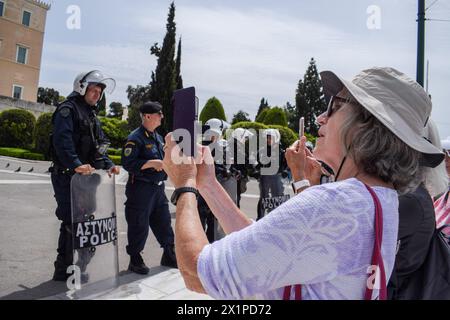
{"points": [[42, 134], [134, 117], [116, 159], [116, 131], [260, 118], [288, 137], [33, 156], [114, 152], [276, 116], [21, 154], [213, 109], [16, 128]]}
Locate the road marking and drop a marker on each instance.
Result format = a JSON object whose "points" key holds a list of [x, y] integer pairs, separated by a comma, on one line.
{"points": [[15, 160], [25, 182], [248, 196], [26, 173]]}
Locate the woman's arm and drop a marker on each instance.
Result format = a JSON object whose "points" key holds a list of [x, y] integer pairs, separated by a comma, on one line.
{"points": [[189, 241], [230, 217]]}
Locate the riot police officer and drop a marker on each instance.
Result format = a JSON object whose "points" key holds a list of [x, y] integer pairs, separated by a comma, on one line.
{"points": [[147, 203], [225, 172], [78, 145], [271, 184]]}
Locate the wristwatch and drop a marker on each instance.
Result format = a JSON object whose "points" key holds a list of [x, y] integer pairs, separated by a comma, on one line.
{"points": [[300, 184], [178, 192]]}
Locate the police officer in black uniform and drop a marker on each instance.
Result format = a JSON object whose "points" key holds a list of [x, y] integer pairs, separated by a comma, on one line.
{"points": [[147, 203], [78, 145]]}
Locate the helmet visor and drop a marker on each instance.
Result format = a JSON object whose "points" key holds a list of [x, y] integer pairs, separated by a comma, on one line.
{"points": [[98, 78]]}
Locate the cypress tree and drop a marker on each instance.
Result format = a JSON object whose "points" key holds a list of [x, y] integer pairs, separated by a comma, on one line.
{"points": [[213, 109], [262, 105], [178, 77], [309, 100], [163, 80]]}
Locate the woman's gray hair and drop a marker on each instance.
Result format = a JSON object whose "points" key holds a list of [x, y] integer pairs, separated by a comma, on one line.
{"points": [[377, 151]]}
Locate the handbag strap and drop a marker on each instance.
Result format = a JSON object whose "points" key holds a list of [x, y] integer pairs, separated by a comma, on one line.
{"points": [[377, 259]]}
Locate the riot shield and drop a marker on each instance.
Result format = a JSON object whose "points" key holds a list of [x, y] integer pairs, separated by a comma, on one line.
{"points": [[94, 234], [230, 185], [272, 194]]}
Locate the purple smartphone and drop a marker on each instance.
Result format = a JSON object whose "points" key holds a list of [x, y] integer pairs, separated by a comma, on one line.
{"points": [[185, 116]]}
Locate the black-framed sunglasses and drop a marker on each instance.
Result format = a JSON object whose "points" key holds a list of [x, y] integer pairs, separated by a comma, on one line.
{"points": [[333, 106]]}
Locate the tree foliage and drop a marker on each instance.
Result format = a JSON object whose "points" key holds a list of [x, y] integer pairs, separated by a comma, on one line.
{"points": [[276, 116], [48, 96], [115, 110], [17, 128], [309, 99], [240, 116], [116, 131], [164, 79], [264, 104], [42, 133], [260, 118], [213, 109]]}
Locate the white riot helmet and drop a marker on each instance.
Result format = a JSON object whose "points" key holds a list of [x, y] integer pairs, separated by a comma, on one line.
{"points": [[217, 126], [446, 145], [223, 144], [275, 134], [241, 135], [83, 80]]}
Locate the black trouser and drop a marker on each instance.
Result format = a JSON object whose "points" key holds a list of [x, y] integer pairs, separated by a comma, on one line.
{"points": [[146, 205], [61, 187], [207, 219]]}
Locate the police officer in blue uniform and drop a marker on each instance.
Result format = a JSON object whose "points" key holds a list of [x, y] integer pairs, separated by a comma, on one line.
{"points": [[147, 203], [78, 145]]}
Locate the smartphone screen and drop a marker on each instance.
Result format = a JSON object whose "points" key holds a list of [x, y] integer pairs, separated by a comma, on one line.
{"points": [[301, 127], [185, 115]]}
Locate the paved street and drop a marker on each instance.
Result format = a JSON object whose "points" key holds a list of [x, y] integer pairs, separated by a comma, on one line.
{"points": [[29, 230]]}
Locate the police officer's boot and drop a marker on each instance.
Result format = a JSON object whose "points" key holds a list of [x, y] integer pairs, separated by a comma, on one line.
{"points": [[137, 265], [168, 258], [60, 273], [65, 254]]}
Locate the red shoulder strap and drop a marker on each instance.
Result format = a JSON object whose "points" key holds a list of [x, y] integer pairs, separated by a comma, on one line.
{"points": [[377, 259]]}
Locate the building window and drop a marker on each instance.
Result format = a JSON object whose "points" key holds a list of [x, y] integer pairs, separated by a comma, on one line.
{"points": [[2, 8], [22, 55], [26, 18], [17, 92]]}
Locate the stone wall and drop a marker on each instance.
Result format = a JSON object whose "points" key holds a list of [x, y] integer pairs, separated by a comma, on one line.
{"points": [[35, 108]]}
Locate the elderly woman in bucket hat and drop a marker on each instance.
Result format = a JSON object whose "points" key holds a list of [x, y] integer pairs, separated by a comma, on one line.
{"points": [[331, 241]]}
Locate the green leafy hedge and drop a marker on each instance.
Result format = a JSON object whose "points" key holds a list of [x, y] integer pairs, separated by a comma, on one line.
{"points": [[17, 128], [116, 159], [114, 152], [288, 137], [116, 131], [260, 118], [21, 153], [276, 116], [42, 134], [213, 109]]}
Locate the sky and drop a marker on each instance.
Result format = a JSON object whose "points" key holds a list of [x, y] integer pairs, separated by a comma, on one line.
{"points": [[241, 51]]}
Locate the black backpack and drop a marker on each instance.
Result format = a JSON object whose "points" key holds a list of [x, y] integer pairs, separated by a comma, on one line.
{"points": [[432, 280]]}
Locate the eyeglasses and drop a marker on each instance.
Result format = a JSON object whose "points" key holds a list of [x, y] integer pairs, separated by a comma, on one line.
{"points": [[447, 152], [334, 105]]}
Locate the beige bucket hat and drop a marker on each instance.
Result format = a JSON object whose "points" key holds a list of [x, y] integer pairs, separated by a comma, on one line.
{"points": [[397, 101]]}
